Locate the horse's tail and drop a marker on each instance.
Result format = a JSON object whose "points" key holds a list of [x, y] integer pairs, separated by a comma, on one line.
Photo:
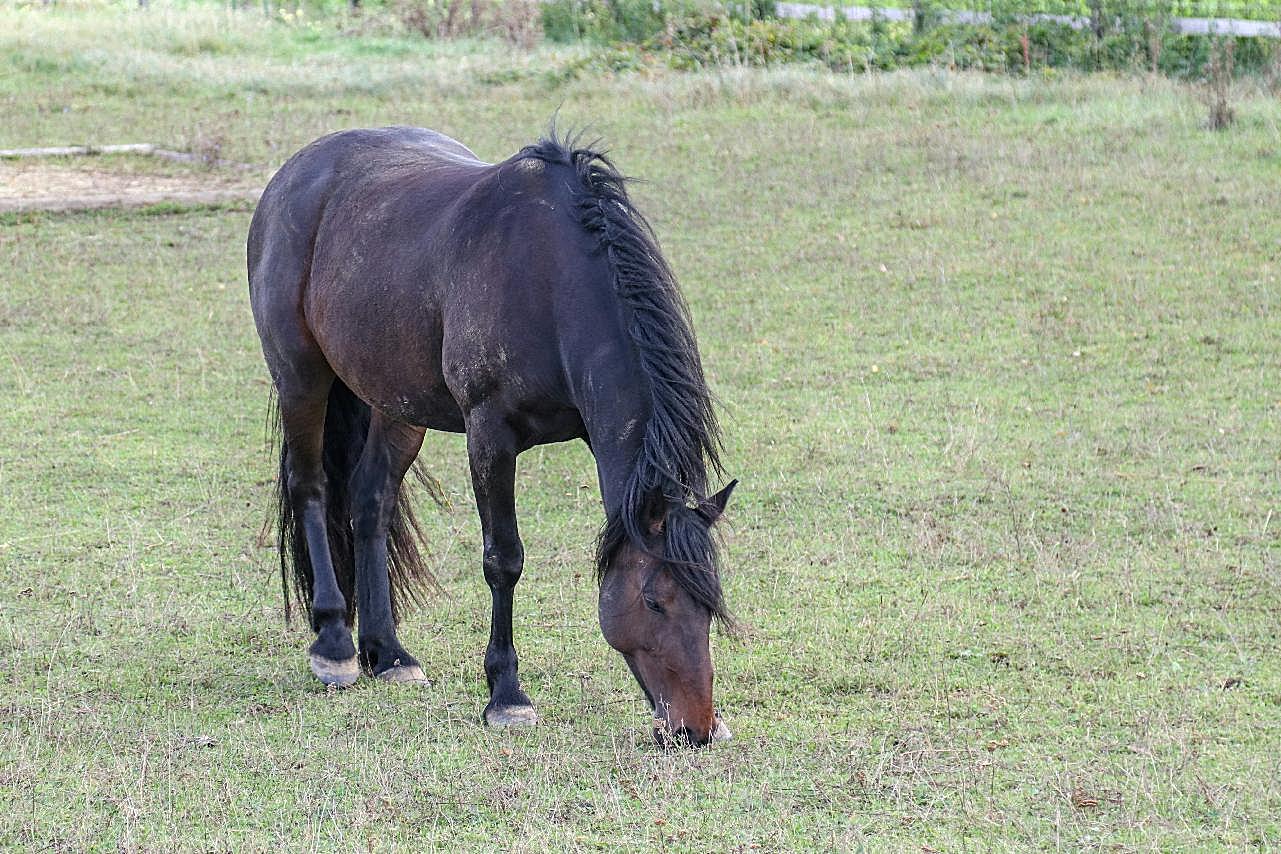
{"points": [[346, 429]]}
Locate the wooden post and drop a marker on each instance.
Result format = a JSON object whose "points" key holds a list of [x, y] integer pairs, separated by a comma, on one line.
{"points": [[1096, 18]]}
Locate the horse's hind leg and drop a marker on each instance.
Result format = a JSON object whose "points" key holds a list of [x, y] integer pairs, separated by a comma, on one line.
{"points": [[332, 654], [389, 451]]}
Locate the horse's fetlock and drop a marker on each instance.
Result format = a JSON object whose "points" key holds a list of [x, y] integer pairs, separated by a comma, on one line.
{"points": [[334, 642], [377, 656], [329, 616]]}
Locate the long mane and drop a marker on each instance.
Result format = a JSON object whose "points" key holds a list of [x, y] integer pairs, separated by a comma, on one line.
{"points": [[682, 439]]}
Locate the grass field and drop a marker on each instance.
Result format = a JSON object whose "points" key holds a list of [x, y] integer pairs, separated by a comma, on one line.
{"points": [[1002, 382]]}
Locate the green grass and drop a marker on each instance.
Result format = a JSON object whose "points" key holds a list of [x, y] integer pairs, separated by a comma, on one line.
{"points": [[1000, 368]]}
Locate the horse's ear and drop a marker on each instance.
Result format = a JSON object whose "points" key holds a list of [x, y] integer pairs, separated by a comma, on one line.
{"points": [[713, 506]]}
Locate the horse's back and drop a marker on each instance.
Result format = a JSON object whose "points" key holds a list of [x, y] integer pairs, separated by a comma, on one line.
{"points": [[288, 214]]}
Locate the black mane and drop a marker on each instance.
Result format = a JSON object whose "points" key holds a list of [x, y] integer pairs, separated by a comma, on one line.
{"points": [[682, 439]]}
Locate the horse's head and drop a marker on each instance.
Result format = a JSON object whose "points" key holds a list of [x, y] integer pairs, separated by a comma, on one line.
{"points": [[661, 623]]}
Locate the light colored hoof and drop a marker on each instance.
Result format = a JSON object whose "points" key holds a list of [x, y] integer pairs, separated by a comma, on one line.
{"points": [[511, 716], [404, 674], [336, 674], [721, 733]]}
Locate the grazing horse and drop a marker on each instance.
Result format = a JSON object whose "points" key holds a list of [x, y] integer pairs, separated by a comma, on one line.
{"points": [[400, 284]]}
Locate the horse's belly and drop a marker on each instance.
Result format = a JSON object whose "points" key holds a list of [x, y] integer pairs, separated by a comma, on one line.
{"points": [[391, 360], [435, 412], [423, 405]]}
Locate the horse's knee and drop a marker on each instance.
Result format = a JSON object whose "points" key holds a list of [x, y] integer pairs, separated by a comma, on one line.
{"points": [[372, 497], [305, 488], [503, 563], [369, 510]]}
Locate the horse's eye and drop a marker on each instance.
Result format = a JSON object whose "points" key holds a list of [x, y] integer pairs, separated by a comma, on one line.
{"points": [[652, 605]]}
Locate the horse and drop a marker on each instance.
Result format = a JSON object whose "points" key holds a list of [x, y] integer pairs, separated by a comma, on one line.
{"points": [[399, 284]]}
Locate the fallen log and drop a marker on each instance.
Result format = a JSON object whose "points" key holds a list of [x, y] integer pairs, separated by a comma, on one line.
{"points": [[73, 150], [145, 148]]}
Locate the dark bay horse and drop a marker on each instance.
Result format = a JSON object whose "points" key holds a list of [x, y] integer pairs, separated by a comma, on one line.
{"points": [[400, 284]]}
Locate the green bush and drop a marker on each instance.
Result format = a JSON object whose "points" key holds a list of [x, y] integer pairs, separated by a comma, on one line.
{"points": [[637, 21], [605, 21], [688, 37]]}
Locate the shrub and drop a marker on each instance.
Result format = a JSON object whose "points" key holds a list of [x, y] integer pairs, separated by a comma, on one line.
{"points": [[637, 21], [742, 33], [515, 21]]}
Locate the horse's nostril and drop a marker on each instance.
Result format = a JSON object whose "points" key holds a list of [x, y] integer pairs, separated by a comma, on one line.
{"points": [[721, 732]]}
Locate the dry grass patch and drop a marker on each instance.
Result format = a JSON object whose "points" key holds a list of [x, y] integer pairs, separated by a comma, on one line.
{"points": [[65, 184]]}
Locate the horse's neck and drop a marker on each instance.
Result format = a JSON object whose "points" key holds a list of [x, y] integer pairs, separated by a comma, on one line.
{"points": [[609, 388], [616, 433]]}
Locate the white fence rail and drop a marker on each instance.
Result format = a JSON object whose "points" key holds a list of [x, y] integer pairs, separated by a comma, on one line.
{"points": [[1189, 26]]}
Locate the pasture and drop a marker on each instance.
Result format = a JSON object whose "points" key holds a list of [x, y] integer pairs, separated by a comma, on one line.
{"points": [[1001, 377]]}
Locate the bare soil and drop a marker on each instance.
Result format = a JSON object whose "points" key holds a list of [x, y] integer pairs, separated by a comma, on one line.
{"points": [[41, 185]]}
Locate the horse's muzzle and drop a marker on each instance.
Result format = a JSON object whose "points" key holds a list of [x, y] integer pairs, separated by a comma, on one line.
{"points": [[686, 737]]}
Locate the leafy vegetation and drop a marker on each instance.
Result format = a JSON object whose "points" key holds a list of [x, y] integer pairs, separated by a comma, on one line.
{"points": [[701, 36], [1262, 10], [710, 41]]}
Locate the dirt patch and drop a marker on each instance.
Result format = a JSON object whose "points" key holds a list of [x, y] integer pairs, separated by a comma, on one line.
{"points": [[40, 185]]}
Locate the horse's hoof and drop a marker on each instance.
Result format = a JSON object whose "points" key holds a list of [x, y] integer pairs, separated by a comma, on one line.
{"points": [[511, 716], [404, 674], [335, 674]]}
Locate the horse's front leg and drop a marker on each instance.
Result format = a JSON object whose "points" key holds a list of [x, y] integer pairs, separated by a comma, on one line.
{"points": [[491, 450]]}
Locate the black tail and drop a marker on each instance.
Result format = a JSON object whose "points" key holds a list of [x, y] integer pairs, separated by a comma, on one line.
{"points": [[346, 427]]}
